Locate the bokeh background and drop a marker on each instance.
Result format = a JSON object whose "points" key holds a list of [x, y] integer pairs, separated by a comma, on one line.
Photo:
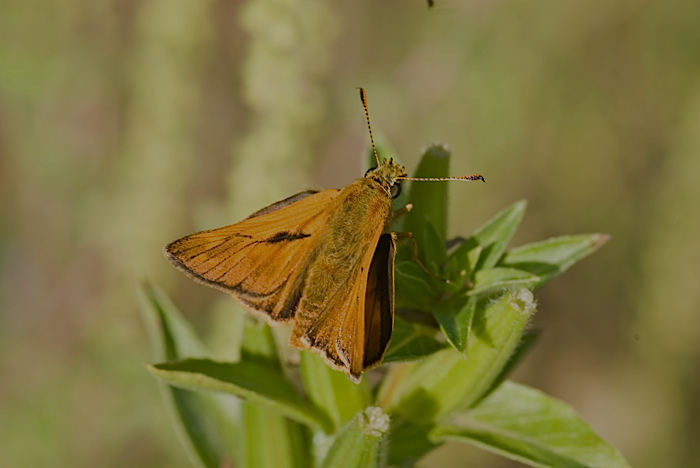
{"points": [[125, 124]]}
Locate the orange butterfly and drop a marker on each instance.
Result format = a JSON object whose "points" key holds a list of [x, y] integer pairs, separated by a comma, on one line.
{"points": [[322, 261]]}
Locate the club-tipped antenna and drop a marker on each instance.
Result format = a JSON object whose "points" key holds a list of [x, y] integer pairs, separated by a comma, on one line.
{"points": [[363, 96], [438, 179]]}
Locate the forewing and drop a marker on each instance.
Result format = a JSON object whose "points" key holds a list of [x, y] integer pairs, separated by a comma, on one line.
{"points": [[262, 259]]}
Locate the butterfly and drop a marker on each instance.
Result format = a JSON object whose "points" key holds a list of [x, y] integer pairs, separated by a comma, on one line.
{"points": [[320, 261]]}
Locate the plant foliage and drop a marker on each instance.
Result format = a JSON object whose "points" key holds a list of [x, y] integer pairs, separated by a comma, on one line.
{"points": [[443, 378]]}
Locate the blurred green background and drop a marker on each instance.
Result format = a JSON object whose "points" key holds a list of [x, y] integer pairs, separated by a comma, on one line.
{"points": [[125, 124]]}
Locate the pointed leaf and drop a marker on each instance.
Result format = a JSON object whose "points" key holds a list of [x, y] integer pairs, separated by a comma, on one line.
{"points": [[411, 341], [455, 319], [552, 257], [429, 199], [254, 381], [332, 391], [205, 423], [446, 382], [494, 236], [171, 336], [490, 280], [528, 426], [361, 443]]}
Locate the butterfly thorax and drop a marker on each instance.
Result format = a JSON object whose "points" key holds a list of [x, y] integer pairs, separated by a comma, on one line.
{"points": [[386, 174]]}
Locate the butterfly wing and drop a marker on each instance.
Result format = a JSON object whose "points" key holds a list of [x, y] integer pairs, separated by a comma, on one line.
{"points": [[379, 302], [346, 312], [366, 325], [318, 260], [261, 260]]}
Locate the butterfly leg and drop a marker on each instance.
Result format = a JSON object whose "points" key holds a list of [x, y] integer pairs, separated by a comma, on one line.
{"points": [[414, 251], [396, 215], [402, 211]]}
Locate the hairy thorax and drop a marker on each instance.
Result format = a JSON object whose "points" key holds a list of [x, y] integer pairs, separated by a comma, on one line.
{"points": [[353, 230]]}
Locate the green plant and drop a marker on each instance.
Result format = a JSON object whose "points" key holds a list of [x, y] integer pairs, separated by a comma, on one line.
{"points": [[452, 347]]}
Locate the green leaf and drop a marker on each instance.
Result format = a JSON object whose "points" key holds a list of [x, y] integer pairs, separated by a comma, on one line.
{"points": [[332, 391], [269, 439], [528, 340], [408, 442], [435, 251], [361, 443], [445, 381], [171, 336], [490, 280], [414, 289], [273, 441], [429, 199], [528, 426], [552, 257], [258, 343], [411, 341], [462, 262], [455, 319], [257, 382], [494, 236], [205, 423]]}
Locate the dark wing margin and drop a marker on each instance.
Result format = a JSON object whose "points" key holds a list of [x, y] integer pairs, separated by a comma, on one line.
{"points": [[274, 295], [379, 302], [282, 203]]}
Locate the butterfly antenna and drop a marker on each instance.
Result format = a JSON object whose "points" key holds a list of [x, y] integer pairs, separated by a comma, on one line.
{"points": [[363, 96], [433, 179]]}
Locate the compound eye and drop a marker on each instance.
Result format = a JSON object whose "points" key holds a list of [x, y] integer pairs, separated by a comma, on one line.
{"points": [[395, 190], [370, 170]]}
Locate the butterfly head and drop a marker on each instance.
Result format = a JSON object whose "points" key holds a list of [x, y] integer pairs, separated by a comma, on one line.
{"points": [[386, 174]]}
